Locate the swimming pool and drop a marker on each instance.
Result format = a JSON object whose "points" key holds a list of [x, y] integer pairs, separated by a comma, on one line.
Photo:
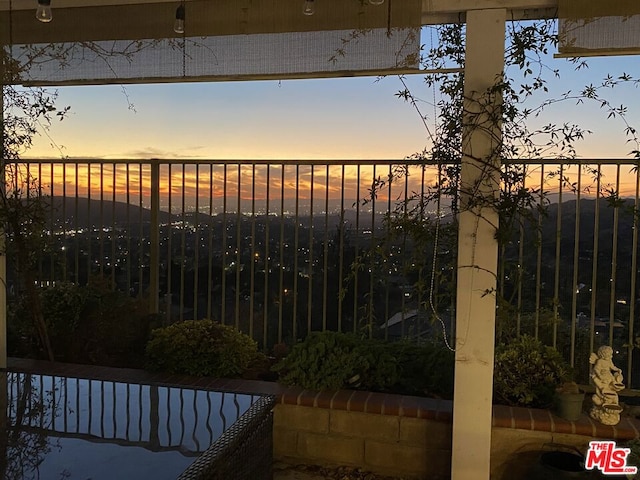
{"points": [[76, 428]]}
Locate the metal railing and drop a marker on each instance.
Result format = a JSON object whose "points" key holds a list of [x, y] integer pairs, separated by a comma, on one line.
{"points": [[282, 248]]}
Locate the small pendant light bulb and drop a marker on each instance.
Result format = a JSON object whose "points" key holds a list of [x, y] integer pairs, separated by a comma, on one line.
{"points": [[43, 13], [376, 2], [309, 7], [178, 25]]}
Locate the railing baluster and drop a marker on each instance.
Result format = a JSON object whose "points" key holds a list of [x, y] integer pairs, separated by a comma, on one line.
{"points": [[52, 225], [169, 295], [502, 278], [389, 248], [310, 255], [614, 261], [520, 266], [634, 273], [101, 226], [128, 228], [325, 253], [536, 330], [76, 214], [36, 183], [154, 239], [252, 255], [372, 253], [114, 233], [64, 222], [223, 307], [341, 251], [556, 278], [576, 260], [421, 281], [296, 255], [183, 241], [405, 264], [196, 239], [141, 242], [89, 224], [267, 262], [238, 247], [210, 227], [281, 260], [356, 252]]}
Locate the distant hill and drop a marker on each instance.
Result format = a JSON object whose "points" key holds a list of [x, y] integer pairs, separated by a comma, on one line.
{"points": [[94, 212], [586, 231]]}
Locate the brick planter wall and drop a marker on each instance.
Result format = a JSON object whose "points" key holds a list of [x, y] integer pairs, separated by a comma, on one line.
{"points": [[388, 444], [411, 436]]}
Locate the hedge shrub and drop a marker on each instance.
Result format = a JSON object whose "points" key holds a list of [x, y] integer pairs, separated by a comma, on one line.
{"points": [[86, 324], [330, 360], [200, 347], [527, 373]]}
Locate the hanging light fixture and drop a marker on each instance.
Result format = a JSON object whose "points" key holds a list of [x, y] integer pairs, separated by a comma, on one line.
{"points": [[376, 2], [309, 7], [43, 13], [178, 25]]}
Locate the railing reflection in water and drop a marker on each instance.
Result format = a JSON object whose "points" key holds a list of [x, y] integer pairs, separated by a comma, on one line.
{"points": [[154, 417]]}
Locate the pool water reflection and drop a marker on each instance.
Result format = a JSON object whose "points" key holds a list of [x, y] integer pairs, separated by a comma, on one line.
{"points": [[71, 428]]}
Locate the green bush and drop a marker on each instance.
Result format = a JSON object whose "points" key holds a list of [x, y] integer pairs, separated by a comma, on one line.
{"points": [[86, 324], [527, 373], [330, 360], [426, 368], [115, 327], [62, 307], [200, 347], [324, 360]]}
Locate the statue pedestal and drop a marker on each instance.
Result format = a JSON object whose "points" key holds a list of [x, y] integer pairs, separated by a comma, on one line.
{"points": [[607, 414]]}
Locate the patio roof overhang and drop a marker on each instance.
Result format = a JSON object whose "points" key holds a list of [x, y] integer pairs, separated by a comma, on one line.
{"points": [[132, 41], [155, 13], [610, 32]]}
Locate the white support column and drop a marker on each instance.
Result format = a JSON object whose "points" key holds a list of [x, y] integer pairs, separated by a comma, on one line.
{"points": [[154, 234], [477, 250]]}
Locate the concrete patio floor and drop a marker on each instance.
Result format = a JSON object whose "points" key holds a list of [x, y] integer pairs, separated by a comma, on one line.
{"points": [[282, 471]]}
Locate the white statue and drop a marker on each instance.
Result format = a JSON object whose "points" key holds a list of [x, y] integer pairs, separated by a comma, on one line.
{"points": [[607, 379]]}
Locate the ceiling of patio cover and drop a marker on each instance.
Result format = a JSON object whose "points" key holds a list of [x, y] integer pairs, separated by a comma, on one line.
{"points": [[598, 27], [223, 40]]}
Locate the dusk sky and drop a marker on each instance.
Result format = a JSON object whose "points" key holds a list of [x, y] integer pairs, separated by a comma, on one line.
{"points": [[326, 118], [348, 118]]}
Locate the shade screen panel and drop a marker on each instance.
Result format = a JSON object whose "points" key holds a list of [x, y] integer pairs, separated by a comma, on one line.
{"points": [[595, 27], [223, 40]]}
